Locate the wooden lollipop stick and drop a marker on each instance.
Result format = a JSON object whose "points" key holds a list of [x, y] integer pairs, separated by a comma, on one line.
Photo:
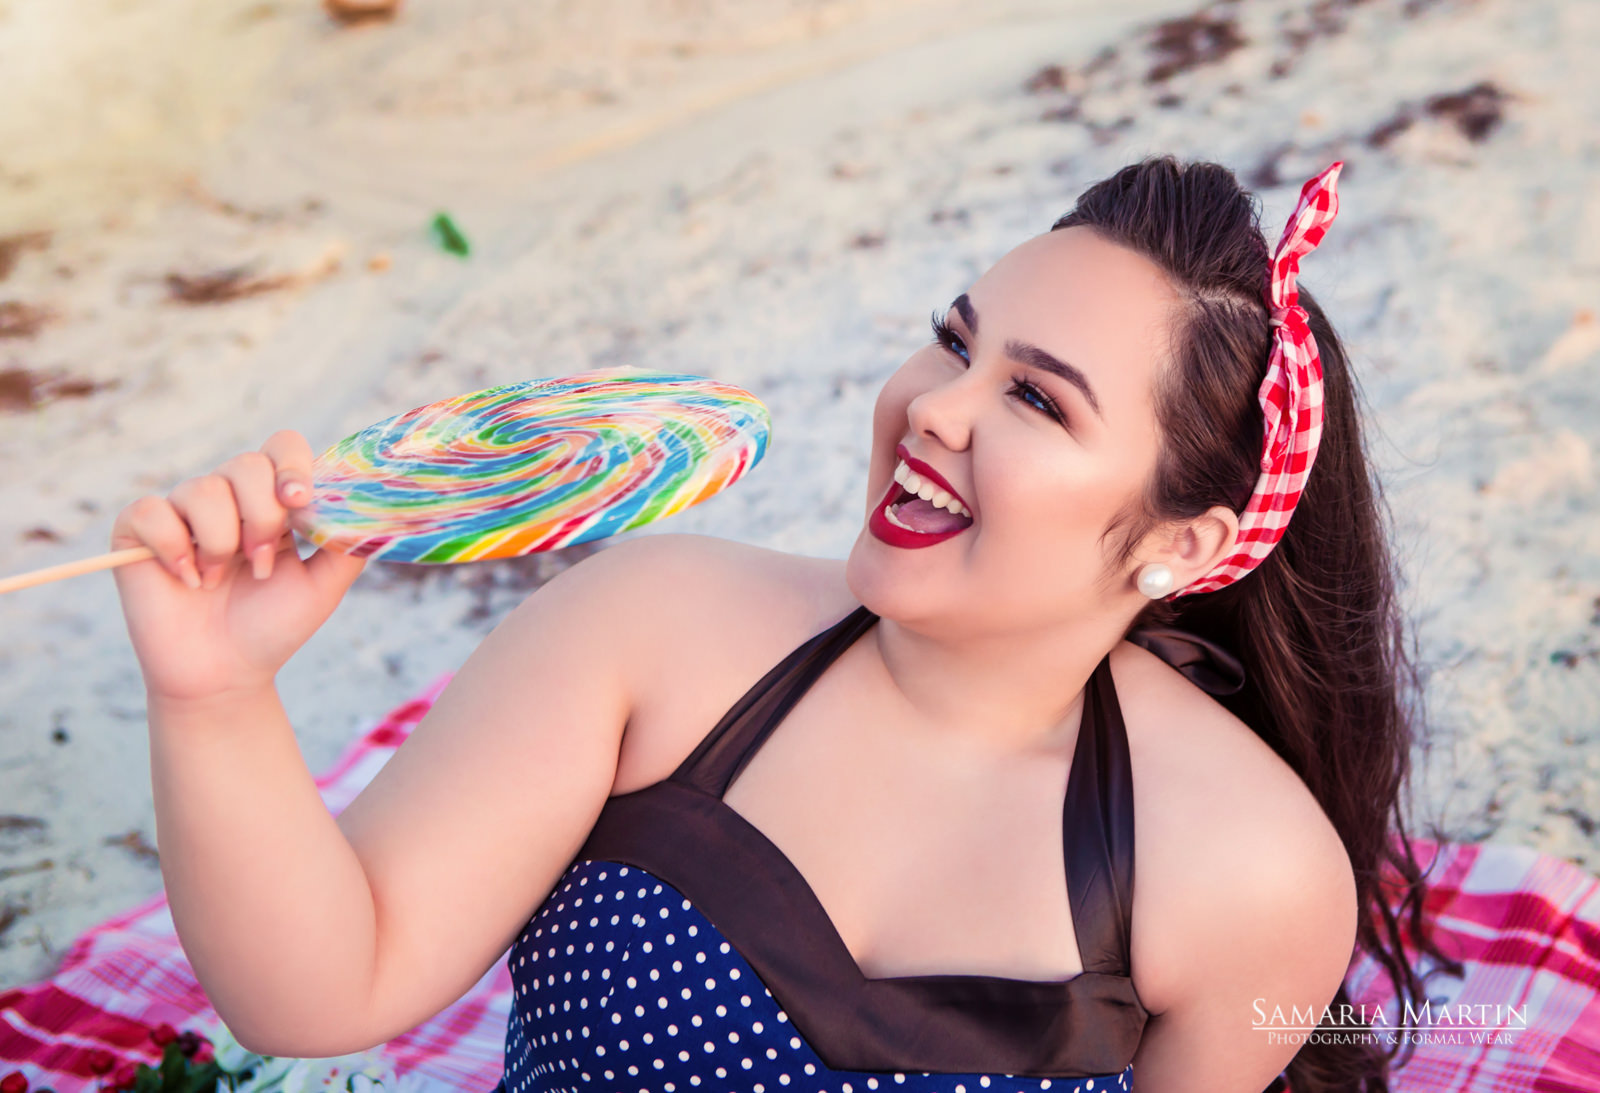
{"points": [[72, 569]]}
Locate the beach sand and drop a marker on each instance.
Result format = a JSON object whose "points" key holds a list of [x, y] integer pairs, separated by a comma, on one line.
{"points": [[776, 193]]}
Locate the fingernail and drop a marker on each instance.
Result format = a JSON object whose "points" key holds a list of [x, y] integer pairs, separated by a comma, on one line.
{"points": [[213, 576], [294, 491], [187, 572], [261, 561]]}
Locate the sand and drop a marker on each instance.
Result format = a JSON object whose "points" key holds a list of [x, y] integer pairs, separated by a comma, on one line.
{"points": [[776, 193]]}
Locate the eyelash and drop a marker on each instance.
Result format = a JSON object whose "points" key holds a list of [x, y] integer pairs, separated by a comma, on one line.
{"points": [[947, 337]]}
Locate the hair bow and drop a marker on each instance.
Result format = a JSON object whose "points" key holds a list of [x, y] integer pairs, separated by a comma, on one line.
{"points": [[1290, 395]]}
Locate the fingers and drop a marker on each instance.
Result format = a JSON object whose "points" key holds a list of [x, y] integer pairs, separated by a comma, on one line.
{"points": [[241, 510], [207, 505], [262, 519], [291, 456], [153, 521]]}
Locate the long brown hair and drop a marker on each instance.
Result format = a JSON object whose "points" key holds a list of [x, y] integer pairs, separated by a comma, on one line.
{"points": [[1332, 684]]}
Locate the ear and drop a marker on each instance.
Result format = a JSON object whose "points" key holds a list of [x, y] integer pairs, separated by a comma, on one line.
{"points": [[1200, 544]]}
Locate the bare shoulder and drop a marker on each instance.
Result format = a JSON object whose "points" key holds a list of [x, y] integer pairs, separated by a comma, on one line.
{"points": [[1233, 853], [705, 618]]}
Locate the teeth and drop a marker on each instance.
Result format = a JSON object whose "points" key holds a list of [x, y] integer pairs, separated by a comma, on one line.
{"points": [[912, 482]]}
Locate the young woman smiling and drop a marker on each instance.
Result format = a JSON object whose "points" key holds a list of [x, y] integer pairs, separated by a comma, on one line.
{"points": [[1085, 757]]}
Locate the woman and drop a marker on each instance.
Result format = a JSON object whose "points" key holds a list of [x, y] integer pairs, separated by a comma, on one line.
{"points": [[1095, 658]]}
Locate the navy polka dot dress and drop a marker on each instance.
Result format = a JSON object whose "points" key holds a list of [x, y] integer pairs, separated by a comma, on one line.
{"points": [[682, 952]]}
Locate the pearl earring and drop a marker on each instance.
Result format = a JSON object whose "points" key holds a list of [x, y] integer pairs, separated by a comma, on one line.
{"points": [[1155, 580]]}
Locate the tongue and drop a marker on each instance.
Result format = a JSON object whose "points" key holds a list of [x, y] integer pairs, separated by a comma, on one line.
{"points": [[924, 516]]}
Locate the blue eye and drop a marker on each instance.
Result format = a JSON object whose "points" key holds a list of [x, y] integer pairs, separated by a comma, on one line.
{"points": [[947, 337], [1020, 389]]}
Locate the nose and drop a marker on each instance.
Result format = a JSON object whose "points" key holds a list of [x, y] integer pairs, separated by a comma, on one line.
{"points": [[943, 412]]}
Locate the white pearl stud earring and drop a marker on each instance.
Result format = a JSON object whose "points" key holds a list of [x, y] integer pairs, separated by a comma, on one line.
{"points": [[1155, 580]]}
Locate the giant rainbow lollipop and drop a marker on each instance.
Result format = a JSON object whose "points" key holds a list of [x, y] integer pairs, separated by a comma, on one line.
{"points": [[520, 468], [533, 466]]}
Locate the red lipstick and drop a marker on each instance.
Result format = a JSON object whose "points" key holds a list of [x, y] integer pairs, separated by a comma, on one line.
{"points": [[896, 536]]}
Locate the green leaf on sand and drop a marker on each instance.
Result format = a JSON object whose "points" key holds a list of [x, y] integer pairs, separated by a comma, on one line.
{"points": [[449, 236]]}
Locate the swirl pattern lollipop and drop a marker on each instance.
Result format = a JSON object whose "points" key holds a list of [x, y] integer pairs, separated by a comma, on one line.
{"points": [[533, 466]]}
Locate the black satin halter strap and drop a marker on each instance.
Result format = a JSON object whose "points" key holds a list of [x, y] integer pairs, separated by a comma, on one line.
{"points": [[1207, 665], [725, 750], [1097, 830], [1096, 815]]}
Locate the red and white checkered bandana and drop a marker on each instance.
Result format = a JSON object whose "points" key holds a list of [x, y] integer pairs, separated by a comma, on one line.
{"points": [[1290, 395]]}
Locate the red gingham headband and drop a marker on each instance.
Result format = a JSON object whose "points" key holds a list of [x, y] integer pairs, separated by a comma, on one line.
{"points": [[1290, 395]]}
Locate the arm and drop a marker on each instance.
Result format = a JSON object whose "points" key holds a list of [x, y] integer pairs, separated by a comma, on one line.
{"points": [[317, 936], [269, 902], [465, 831]]}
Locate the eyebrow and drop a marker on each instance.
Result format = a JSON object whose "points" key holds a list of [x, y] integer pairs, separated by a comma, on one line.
{"points": [[1026, 353]]}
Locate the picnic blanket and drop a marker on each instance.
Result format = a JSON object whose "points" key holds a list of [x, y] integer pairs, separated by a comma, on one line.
{"points": [[1526, 924]]}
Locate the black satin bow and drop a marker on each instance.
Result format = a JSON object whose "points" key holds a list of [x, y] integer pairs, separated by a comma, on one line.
{"points": [[1206, 664]]}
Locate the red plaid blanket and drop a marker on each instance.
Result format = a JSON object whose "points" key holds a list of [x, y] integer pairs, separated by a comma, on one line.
{"points": [[1526, 924]]}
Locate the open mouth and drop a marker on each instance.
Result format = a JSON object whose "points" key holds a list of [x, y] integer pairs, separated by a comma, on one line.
{"points": [[918, 508], [913, 513]]}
